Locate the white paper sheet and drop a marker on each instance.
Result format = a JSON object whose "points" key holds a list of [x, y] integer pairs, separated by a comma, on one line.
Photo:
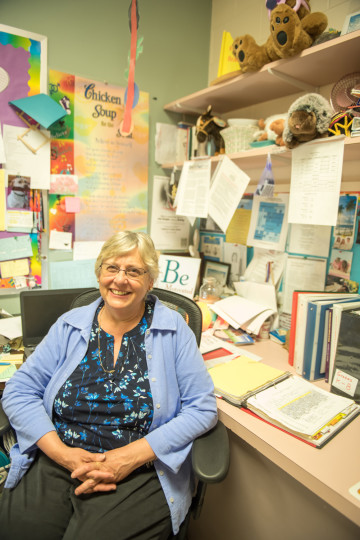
{"points": [[316, 170], [169, 231], [309, 239], [299, 405], [11, 327], [257, 268], [261, 293], [239, 309], [228, 184], [21, 160], [19, 220], [194, 186], [83, 251], [269, 223], [236, 255], [60, 240], [165, 143], [302, 274]]}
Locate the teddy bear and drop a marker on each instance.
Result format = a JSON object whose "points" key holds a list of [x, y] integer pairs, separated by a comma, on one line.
{"points": [[277, 126], [308, 118], [271, 129], [290, 32], [291, 35], [250, 55], [301, 7]]}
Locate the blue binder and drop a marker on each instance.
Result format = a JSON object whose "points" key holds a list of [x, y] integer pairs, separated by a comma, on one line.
{"points": [[315, 328]]}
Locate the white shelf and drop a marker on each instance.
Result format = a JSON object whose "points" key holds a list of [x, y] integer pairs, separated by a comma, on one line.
{"points": [[317, 66], [253, 161]]}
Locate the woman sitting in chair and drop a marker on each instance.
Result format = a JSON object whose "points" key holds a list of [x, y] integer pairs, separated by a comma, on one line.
{"points": [[105, 411]]}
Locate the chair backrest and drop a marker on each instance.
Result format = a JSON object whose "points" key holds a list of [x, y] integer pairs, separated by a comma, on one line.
{"points": [[187, 308]]}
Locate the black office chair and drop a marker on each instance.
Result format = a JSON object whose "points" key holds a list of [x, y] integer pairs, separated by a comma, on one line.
{"points": [[210, 453]]}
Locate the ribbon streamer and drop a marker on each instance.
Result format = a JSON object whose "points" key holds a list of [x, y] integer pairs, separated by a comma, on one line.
{"points": [[127, 123]]}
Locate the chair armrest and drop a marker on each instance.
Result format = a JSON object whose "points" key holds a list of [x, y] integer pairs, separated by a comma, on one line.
{"points": [[4, 422], [211, 455]]}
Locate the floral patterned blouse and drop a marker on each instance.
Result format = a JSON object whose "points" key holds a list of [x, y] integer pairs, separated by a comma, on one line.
{"points": [[98, 410]]}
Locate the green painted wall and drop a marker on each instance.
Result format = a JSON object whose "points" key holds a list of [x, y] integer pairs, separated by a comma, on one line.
{"points": [[92, 39]]}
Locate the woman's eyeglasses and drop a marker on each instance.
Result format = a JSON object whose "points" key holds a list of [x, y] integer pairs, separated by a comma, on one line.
{"points": [[131, 272]]}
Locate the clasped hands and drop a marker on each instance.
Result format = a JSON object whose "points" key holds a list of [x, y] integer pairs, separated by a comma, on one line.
{"points": [[101, 472]]}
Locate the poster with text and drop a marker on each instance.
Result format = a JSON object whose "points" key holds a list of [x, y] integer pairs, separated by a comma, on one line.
{"points": [[112, 170]]}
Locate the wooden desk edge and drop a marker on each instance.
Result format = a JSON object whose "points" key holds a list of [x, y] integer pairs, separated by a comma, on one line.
{"points": [[346, 505]]}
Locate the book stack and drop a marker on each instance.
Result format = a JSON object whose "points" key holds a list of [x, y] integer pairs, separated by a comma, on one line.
{"points": [[314, 330], [175, 143], [186, 142]]}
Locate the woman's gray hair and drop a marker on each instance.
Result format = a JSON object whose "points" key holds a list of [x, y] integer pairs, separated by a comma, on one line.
{"points": [[122, 242]]}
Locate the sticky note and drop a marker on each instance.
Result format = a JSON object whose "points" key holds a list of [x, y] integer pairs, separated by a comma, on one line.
{"points": [[20, 267], [72, 204]]}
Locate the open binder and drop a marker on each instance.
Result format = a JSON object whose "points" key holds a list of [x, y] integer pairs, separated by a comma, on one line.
{"points": [[285, 401]]}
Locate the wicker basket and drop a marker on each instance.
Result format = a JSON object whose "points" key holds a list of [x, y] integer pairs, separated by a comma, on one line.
{"points": [[238, 138]]}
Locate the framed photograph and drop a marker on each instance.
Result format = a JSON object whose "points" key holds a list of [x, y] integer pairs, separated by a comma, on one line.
{"points": [[351, 23], [218, 270]]}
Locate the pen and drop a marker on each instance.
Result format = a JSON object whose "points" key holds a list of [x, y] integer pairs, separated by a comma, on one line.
{"points": [[5, 363]]}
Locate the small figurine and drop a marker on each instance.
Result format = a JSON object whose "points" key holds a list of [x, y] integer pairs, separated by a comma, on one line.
{"points": [[208, 127]]}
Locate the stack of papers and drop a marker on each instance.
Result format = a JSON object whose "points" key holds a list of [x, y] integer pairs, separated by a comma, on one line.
{"points": [[242, 312], [303, 410]]}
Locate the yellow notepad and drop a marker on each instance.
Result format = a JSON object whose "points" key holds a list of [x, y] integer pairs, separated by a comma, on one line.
{"points": [[237, 379]]}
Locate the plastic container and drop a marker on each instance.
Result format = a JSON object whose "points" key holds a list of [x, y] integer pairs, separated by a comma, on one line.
{"points": [[242, 122], [238, 138]]}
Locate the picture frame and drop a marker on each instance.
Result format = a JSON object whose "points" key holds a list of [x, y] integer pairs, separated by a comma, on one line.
{"points": [[351, 23], [218, 270]]}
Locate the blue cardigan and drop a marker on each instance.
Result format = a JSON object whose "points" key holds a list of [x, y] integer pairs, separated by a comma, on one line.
{"points": [[182, 392]]}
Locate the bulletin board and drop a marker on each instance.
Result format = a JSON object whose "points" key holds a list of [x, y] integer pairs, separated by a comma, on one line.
{"points": [[23, 72]]}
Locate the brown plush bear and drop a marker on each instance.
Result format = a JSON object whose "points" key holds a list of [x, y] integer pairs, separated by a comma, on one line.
{"points": [[271, 129], [250, 55], [290, 33], [277, 126]]}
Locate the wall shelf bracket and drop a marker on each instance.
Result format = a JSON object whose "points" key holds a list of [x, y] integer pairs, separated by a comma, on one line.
{"points": [[291, 80]]}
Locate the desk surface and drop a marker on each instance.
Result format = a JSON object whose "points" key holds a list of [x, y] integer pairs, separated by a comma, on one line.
{"points": [[328, 472]]}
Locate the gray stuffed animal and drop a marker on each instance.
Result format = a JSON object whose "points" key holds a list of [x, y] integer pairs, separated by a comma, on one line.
{"points": [[308, 118]]}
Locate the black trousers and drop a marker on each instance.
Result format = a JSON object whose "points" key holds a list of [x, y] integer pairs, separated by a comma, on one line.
{"points": [[43, 506]]}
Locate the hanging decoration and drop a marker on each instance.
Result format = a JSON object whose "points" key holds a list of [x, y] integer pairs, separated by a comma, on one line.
{"points": [[132, 91]]}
